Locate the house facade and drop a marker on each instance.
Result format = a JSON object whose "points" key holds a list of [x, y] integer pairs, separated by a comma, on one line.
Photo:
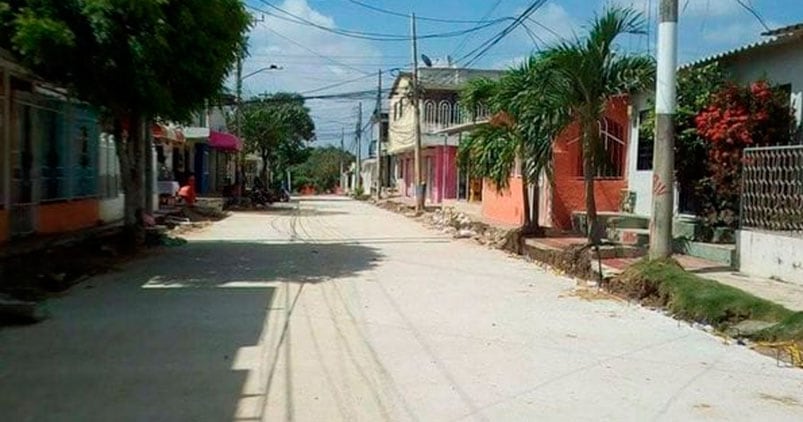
{"points": [[778, 58], [558, 199], [57, 173], [439, 110]]}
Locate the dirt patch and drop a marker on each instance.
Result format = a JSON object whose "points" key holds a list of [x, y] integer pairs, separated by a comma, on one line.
{"points": [[784, 400], [592, 295], [634, 284], [574, 261]]}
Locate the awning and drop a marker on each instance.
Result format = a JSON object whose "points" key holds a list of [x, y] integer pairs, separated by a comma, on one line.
{"points": [[196, 132], [225, 142], [165, 133]]}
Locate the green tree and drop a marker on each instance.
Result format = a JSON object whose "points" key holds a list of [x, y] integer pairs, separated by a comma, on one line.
{"points": [[584, 74], [321, 170], [277, 127], [136, 60], [523, 125]]}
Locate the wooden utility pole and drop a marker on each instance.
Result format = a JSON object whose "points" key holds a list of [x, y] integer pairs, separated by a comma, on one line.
{"points": [[665, 107], [420, 188], [378, 120], [358, 171]]}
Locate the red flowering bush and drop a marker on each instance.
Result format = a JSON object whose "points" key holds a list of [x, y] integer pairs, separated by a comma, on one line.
{"points": [[737, 118]]}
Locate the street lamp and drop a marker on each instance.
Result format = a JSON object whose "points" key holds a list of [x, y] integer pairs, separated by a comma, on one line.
{"points": [[264, 69]]}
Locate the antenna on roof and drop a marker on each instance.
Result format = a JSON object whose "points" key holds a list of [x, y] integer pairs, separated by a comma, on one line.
{"points": [[426, 60]]}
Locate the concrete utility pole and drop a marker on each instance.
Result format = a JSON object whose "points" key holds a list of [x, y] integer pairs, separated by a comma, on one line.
{"points": [[238, 120], [665, 106], [342, 154], [420, 188], [358, 171], [378, 120]]}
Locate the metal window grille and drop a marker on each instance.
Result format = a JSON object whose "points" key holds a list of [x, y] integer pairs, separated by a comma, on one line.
{"points": [[772, 189]]}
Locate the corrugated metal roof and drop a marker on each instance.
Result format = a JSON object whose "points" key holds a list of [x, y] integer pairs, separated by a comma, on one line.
{"points": [[770, 42], [785, 30], [433, 78]]}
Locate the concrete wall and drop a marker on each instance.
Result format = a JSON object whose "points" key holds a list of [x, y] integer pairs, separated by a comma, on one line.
{"points": [[638, 181], [113, 209], [771, 255], [503, 206]]}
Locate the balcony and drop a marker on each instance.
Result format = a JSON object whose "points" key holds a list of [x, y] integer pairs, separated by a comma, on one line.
{"points": [[440, 115]]}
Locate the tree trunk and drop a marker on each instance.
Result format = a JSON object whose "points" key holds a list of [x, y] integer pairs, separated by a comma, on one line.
{"points": [[590, 139], [131, 152], [525, 196], [263, 174]]}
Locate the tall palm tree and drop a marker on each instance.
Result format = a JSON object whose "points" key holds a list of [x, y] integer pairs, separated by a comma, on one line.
{"points": [[584, 75], [524, 122]]}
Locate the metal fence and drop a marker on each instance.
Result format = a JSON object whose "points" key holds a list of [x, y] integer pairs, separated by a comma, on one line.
{"points": [[772, 189]]}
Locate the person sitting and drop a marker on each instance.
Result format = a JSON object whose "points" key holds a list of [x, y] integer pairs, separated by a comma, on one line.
{"points": [[187, 192]]}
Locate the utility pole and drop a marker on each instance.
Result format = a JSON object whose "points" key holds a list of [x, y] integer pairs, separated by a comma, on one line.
{"points": [[342, 154], [378, 120], [238, 121], [420, 188], [665, 106], [358, 171]]}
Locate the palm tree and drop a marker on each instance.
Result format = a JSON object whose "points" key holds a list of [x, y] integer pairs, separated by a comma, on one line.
{"points": [[520, 132], [584, 74]]}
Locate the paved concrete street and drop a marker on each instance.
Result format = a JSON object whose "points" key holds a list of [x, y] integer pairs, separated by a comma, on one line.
{"points": [[336, 310]]}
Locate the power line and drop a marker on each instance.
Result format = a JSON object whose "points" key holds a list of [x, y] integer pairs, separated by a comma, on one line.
{"points": [[423, 18], [373, 36], [752, 10], [311, 51], [468, 37], [483, 48]]}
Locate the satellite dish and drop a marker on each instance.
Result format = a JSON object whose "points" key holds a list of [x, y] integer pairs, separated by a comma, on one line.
{"points": [[426, 60]]}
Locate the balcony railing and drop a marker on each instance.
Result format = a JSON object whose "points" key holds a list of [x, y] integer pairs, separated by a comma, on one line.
{"points": [[439, 115]]}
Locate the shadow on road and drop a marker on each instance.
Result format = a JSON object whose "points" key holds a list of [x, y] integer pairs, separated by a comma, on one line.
{"points": [[161, 340]]}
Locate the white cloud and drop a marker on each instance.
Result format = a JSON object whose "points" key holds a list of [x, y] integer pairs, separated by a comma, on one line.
{"points": [[302, 70]]}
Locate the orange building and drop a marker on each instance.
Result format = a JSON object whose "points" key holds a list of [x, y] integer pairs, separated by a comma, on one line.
{"points": [[566, 195]]}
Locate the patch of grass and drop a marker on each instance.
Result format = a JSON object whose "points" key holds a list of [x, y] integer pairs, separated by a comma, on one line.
{"points": [[790, 328], [666, 284]]}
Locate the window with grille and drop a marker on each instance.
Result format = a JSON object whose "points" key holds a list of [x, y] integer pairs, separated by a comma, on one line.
{"points": [[84, 137], [54, 157], [612, 163], [646, 141]]}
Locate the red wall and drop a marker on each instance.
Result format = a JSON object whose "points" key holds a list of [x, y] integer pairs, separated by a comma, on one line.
{"points": [[569, 192], [505, 207], [68, 216]]}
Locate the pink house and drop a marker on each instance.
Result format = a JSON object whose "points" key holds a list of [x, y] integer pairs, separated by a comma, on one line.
{"points": [[440, 110]]}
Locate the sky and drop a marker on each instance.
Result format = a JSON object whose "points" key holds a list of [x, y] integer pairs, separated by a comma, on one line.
{"points": [[316, 62]]}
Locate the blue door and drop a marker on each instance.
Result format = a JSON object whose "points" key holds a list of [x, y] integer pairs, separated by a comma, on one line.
{"points": [[202, 168]]}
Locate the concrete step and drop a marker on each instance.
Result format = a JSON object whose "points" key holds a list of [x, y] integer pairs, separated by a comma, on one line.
{"points": [[719, 253], [634, 237], [618, 251]]}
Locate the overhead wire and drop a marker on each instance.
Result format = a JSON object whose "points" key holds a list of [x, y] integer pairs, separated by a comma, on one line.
{"points": [[468, 37], [374, 36], [425, 18], [474, 55], [752, 10]]}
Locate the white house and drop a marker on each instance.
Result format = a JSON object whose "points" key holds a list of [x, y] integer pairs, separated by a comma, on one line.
{"points": [[770, 243], [778, 58]]}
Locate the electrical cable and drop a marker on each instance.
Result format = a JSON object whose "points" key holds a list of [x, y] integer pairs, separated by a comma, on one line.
{"points": [[752, 10], [424, 18], [469, 37], [483, 48], [364, 35]]}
